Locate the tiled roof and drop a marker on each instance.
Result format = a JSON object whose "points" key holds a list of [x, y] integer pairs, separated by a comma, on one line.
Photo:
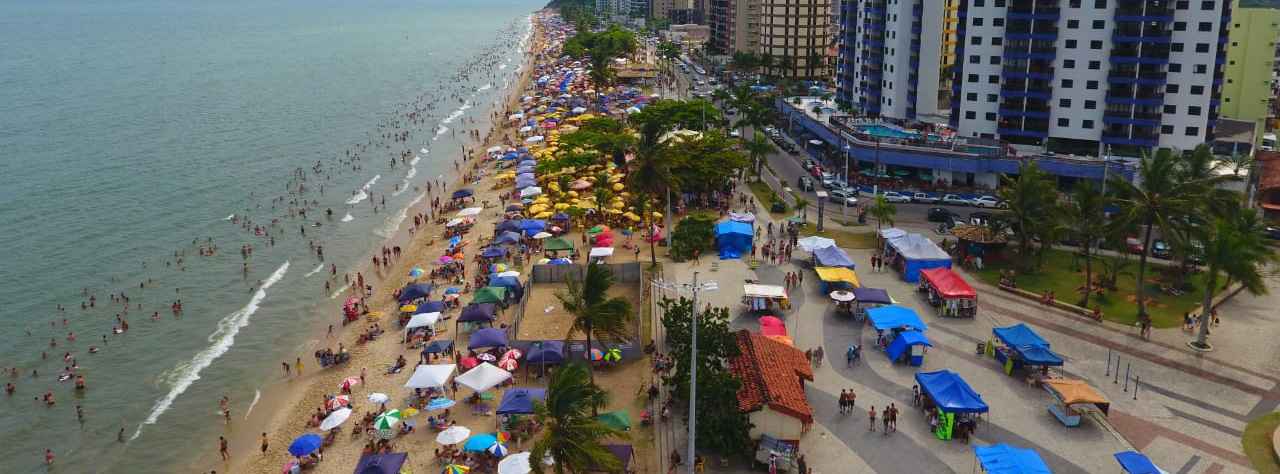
{"points": [[771, 374]]}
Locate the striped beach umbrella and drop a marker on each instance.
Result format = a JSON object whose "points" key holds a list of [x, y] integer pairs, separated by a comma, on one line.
{"points": [[594, 355], [387, 420], [498, 449], [456, 469], [508, 365], [440, 404], [337, 402]]}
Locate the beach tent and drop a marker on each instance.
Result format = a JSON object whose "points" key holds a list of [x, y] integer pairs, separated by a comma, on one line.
{"points": [[493, 252], [532, 226], [1006, 459], [512, 285], [422, 320], [918, 253], [507, 226], [507, 237], [908, 341], [483, 377], [414, 291], [520, 400], [832, 257], [622, 452], [618, 420], [548, 352], [438, 346], [487, 337], [948, 284], [390, 463], [601, 252], [836, 278], [555, 244], [425, 376], [950, 392], [490, 294], [892, 233], [871, 296], [478, 312], [772, 326], [733, 239], [430, 307], [462, 193], [1134, 462], [1077, 392], [813, 242], [1030, 347], [894, 316]]}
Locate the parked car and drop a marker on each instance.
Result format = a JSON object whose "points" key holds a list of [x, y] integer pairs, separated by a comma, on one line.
{"points": [[941, 214], [896, 197], [805, 183], [843, 196], [1160, 249], [989, 202], [828, 180], [955, 200], [735, 133], [808, 164], [1134, 245], [925, 198], [816, 172], [1273, 232]]}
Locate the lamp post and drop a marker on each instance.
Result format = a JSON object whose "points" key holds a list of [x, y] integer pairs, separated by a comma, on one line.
{"points": [[694, 288]]}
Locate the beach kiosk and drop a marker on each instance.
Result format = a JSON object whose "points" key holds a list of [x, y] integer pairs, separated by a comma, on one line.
{"points": [[890, 322], [1006, 459], [908, 346], [759, 297], [952, 406], [867, 298], [911, 253], [1019, 347], [1073, 396], [948, 292], [733, 239], [836, 278]]}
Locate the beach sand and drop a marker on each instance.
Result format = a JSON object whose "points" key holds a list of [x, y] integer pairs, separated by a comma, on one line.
{"points": [[288, 404]]}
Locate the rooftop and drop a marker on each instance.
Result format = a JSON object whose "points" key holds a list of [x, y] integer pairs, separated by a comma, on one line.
{"points": [[773, 375]]}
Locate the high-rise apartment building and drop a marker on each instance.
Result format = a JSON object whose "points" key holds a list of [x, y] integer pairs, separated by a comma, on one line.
{"points": [[734, 26], [1247, 95], [795, 34], [1073, 75]]}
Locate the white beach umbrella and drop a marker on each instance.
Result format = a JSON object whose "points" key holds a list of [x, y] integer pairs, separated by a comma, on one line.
{"points": [[530, 191], [378, 397], [470, 211], [534, 139], [518, 463], [453, 435], [335, 419], [541, 235]]}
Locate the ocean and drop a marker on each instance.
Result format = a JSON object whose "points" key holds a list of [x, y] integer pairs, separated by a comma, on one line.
{"points": [[135, 133]]}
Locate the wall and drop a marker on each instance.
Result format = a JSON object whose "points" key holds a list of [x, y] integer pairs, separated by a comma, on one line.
{"points": [[628, 274], [1250, 57], [776, 425]]}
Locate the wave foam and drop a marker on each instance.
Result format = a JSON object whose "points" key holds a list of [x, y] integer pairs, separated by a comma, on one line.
{"points": [[392, 224], [348, 218], [318, 269], [485, 88], [183, 375], [363, 193]]}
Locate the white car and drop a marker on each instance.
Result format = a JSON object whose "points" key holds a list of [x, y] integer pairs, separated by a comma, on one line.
{"points": [[735, 134], [989, 201], [843, 196], [925, 198], [896, 197], [955, 200]]}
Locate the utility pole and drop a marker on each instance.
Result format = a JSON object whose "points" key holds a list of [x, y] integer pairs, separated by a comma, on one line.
{"points": [[694, 288]]}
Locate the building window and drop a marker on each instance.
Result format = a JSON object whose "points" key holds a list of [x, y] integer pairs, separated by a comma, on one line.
{"points": [[1206, 26], [1064, 103], [997, 41], [995, 60], [1067, 83], [1095, 65], [1091, 85], [971, 97], [970, 115], [975, 59], [1068, 64], [977, 21], [1073, 24], [973, 78], [1100, 4], [1170, 109], [1197, 90], [993, 98], [1202, 47], [1202, 68], [1179, 26], [1193, 131], [993, 79], [1087, 124], [1193, 110], [975, 40], [1166, 129], [1182, 5], [997, 22], [1095, 44], [1062, 122], [1090, 105], [991, 116], [1099, 24], [1070, 44], [1175, 67], [1075, 3], [1176, 47], [1208, 5]]}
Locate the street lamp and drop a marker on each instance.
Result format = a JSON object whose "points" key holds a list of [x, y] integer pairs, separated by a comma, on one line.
{"points": [[694, 288]]}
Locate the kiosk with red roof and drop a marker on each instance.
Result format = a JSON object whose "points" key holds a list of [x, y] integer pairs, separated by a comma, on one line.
{"points": [[947, 291]]}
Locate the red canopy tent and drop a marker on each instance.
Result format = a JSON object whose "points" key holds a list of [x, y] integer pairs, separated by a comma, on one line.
{"points": [[949, 292], [772, 326]]}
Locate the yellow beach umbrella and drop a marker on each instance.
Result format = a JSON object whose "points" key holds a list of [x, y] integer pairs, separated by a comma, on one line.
{"points": [[618, 187], [542, 215]]}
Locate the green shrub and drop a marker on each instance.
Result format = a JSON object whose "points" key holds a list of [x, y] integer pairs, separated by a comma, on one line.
{"points": [[692, 232]]}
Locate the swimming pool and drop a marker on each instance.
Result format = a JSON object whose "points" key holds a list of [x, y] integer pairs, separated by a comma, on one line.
{"points": [[885, 131]]}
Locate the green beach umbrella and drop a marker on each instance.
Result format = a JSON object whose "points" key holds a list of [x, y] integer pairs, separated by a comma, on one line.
{"points": [[387, 420], [618, 420], [613, 355], [491, 294]]}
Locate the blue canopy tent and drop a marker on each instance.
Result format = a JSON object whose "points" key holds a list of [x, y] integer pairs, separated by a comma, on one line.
{"points": [[487, 337], [1019, 335], [865, 295], [519, 401], [507, 237], [438, 346], [918, 253], [1027, 347], [512, 284], [381, 463], [478, 313], [949, 393], [462, 193], [508, 225], [894, 317], [526, 183], [832, 257], [1005, 459], [1039, 355], [1134, 462], [905, 341], [548, 352], [493, 252], [430, 307], [733, 239], [414, 291]]}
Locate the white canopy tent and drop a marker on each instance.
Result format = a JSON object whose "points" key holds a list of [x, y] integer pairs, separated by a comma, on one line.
{"points": [[813, 242], [483, 377], [430, 376], [422, 320], [601, 252], [764, 291], [470, 211]]}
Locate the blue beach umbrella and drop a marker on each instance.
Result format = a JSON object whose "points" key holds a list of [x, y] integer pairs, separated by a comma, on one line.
{"points": [[440, 404], [498, 449], [415, 272], [306, 444], [478, 443]]}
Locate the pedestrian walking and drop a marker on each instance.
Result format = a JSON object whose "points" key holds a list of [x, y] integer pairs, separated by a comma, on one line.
{"points": [[884, 418], [871, 418], [264, 443], [818, 353], [915, 395], [222, 448], [893, 416]]}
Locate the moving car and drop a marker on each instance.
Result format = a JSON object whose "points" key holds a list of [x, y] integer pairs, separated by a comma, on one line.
{"points": [[805, 183], [955, 200], [988, 202], [896, 197], [843, 196], [735, 133], [1160, 249], [1134, 245], [828, 180], [1273, 232], [926, 198], [941, 214]]}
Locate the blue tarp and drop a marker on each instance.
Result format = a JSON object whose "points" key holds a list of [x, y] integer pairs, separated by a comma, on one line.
{"points": [[1136, 463], [905, 340], [894, 316], [919, 253], [733, 239], [414, 291], [439, 346], [532, 226], [551, 352], [1019, 335], [461, 193], [508, 225], [430, 307], [520, 400], [487, 337], [871, 296], [493, 252], [478, 312], [381, 463], [507, 237], [832, 257], [950, 392], [1005, 459], [512, 284], [1038, 355]]}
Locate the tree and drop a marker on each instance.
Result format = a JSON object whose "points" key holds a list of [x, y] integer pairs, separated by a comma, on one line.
{"points": [[1087, 224], [758, 148], [882, 211], [1032, 202], [705, 162], [594, 313], [650, 177], [668, 51], [570, 432], [802, 205], [600, 49], [1163, 193], [1234, 247]]}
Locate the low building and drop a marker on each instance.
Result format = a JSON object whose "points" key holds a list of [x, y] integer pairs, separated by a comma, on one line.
{"points": [[773, 375], [1268, 169], [690, 35]]}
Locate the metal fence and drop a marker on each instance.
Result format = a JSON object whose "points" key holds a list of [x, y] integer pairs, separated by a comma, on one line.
{"points": [[631, 273]]}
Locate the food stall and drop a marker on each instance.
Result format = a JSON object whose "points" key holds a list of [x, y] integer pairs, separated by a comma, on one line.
{"points": [[836, 278], [759, 297], [911, 253], [867, 298], [1072, 397], [891, 321], [948, 292], [908, 347], [952, 406], [1019, 347], [832, 257], [1006, 459]]}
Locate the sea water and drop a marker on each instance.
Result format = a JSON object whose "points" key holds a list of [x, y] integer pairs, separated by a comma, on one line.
{"points": [[131, 128]]}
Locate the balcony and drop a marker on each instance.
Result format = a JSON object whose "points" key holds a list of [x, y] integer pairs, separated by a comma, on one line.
{"points": [[1019, 132], [1015, 73], [1131, 76], [1050, 13], [1143, 140], [1025, 94], [1040, 54], [1142, 120], [1122, 37], [1152, 60], [1141, 99], [1038, 113]]}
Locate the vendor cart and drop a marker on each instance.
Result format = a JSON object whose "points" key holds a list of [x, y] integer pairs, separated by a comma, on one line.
{"points": [[782, 454], [759, 297]]}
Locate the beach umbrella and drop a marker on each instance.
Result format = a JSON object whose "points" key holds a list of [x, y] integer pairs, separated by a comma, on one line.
{"points": [[305, 444], [409, 308], [469, 362], [377, 397], [444, 259], [512, 354], [409, 412], [518, 463], [498, 449], [337, 402], [541, 235], [387, 420], [595, 355], [842, 296], [349, 382], [535, 139], [509, 273], [335, 419], [613, 355], [509, 365], [513, 207], [487, 357], [415, 272], [453, 435], [456, 469], [440, 403], [480, 442]]}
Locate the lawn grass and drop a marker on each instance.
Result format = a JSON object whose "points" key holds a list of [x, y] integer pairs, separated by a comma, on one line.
{"points": [[766, 197], [846, 239], [1257, 443], [1119, 306]]}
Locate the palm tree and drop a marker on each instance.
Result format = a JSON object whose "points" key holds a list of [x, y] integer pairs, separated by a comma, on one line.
{"points": [[1031, 198], [1165, 192], [758, 148], [651, 176], [802, 205], [1086, 221], [1233, 246], [571, 435], [882, 211], [594, 313]]}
